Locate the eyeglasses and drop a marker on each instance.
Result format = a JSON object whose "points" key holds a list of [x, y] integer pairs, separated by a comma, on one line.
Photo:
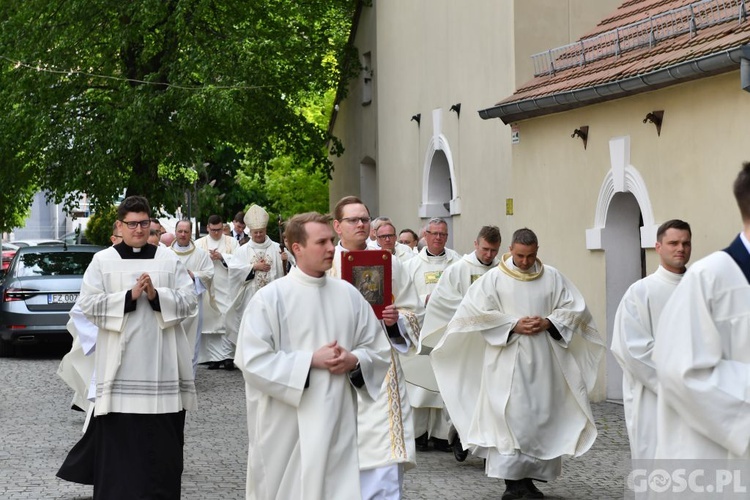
{"points": [[216, 229], [135, 223], [436, 234], [386, 236], [355, 220]]}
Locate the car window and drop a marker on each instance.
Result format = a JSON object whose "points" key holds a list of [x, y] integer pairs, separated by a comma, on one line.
{"points": [[53, 263]]}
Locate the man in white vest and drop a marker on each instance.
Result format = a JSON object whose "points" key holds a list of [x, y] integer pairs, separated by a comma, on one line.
{"points": [[634, 334]]}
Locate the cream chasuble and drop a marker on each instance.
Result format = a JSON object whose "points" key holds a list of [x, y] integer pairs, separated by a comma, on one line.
{"points": [[199, 263], [213, 311], [520, 400], [303, 439], [143, 360], [632, 346], [243, 289], [425, 270], [702, 358], [385, 430]]}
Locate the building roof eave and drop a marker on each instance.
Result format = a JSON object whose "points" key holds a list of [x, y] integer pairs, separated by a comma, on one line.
{"points": [[712, 64]]}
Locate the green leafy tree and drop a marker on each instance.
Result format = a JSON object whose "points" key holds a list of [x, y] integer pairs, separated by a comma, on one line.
{"points": [[99, 226], [100, 96]]}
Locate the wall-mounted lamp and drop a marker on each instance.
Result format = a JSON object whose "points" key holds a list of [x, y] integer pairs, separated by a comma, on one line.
{"points": [[457, 109], [656, 118], [416, 118], [583, 133]]}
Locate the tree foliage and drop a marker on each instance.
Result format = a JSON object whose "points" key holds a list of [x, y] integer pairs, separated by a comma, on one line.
{"points": [[149, 95]]}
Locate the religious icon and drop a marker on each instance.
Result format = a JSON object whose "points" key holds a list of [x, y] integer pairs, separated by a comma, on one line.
{"points": [[370, 273], [368, 281]]}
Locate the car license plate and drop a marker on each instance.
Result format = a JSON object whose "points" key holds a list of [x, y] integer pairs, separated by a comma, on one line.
{"points": [[61, 298]]}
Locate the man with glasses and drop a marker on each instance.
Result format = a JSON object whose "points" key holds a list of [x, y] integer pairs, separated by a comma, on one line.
{"points": [[385, 431], [430, 422], [201, 270], [386, 239], [215, 348], [137, 295]]}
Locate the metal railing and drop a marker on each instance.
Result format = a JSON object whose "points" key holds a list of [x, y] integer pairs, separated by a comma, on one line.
{"points": [[648, 32]]}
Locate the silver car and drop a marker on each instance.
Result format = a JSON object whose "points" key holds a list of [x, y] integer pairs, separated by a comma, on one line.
{"points": [[37, 292]]}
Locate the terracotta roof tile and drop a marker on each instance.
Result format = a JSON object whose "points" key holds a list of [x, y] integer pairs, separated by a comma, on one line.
{"points": [[712, 39]]}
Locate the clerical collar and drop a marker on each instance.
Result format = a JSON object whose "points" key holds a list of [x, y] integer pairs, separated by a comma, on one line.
{"points": [[433, 255], [147, 251], [180, 250], [506, 265]]}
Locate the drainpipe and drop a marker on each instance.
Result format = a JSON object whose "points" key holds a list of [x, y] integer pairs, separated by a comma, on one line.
{"points": [[745, 68]]}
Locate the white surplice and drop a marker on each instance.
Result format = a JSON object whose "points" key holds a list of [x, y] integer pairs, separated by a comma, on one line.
{"points": [[632, 346], [520, 401], [702, 358], [142, 357], [243, 289], [385, 429], [303, 440], [214, 344]]}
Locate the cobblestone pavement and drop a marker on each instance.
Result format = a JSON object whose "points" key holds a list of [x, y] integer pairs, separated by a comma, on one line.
{"points": [[37, 428]]}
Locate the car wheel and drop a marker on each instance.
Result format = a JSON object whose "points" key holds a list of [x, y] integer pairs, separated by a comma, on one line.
{"points": [[7, 349]]}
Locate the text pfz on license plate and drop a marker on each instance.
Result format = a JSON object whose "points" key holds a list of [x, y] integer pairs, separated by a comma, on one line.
{"points": [[62, 298]]}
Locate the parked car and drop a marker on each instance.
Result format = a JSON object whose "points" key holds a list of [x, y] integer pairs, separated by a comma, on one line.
{"points": [[9, 250], [36, 242], [38, 291]]}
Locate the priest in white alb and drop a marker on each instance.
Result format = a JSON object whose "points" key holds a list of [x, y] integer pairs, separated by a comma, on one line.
{"points": [[702, 353], [385, 427], [430, 421], [634, 332], [515, 367], [444, 301], [307, 343], [201, 270], [255, 264], [215, 348], [138, 295]]}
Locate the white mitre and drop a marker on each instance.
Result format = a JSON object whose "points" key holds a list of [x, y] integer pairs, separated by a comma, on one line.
{"points": [[256, 217]]}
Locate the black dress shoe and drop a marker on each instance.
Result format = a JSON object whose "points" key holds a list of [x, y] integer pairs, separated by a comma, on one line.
{"points": [[214, 365], [229, 364], [442, 445], [514, 490], [531, 490], [458, 450], [422, 442]]}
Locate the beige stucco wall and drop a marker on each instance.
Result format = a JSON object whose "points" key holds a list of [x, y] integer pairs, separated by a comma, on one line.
{"points": [[545, 24], [429, 55], [688, 172]]}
